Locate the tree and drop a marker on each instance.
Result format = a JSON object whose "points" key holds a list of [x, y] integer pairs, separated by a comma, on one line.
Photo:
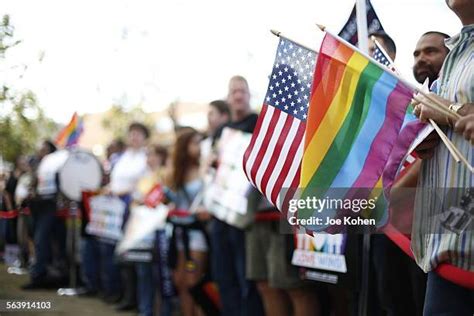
{"points": [[118, 118], [22, 121], [6, 36]]}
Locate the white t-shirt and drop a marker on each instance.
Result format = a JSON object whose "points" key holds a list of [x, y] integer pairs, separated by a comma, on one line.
{"points": [[127, 171], [206, 148]]}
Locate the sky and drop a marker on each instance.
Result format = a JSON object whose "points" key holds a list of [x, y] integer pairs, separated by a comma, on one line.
{"points": [[85, 55]]}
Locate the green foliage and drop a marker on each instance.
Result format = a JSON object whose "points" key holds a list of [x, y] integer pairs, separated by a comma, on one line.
{"points": [[22, 121], [6, 36], [118, 118]]}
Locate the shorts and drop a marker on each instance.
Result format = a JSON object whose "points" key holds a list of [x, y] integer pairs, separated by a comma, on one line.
{"points": [[267, 256], [197, 240]]}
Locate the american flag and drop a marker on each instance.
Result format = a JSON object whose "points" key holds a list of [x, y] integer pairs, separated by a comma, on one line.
{"points": [[382, 57], [272, 161], [349, 31]]}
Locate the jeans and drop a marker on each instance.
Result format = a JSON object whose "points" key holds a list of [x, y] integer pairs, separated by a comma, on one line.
{"points": [[163, 274], [10, 234], [145, 288], [90, 253], [46, 226], [446, 298], [109, 269], [60, 257], [2, 232], [239, 296]]}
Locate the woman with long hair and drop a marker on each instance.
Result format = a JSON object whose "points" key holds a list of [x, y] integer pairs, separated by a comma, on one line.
{"points": [[188, 244]]}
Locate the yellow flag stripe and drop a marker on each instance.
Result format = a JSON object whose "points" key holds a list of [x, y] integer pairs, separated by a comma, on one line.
{"points": [[334, 118]]}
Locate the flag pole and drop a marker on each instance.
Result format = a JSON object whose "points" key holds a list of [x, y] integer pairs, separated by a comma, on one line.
{"points": [[363, 44], [437, 105], [279, 34], [362, 32]]}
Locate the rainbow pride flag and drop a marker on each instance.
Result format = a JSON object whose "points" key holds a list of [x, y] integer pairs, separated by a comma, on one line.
{"points": [[69, 135], [356, 111]]}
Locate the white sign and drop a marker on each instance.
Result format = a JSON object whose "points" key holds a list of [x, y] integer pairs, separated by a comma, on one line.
{"points": [[226, 196], [140, 227], [321, 251], [106, 217], [319, 260]]}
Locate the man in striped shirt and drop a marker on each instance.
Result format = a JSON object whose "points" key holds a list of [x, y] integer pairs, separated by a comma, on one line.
{"points": [[442, 182]]}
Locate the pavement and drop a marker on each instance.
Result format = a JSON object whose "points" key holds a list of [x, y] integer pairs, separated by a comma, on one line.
{"points": [[10, 289]]}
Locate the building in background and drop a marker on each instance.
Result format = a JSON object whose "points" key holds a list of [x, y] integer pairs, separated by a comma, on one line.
{"points": [[96, 136]]}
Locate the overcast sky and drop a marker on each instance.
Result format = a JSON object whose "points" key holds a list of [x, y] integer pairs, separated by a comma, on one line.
{"points": [[98, 52]]}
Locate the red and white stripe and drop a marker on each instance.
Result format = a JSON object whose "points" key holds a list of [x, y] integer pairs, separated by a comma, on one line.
{"points": [[272, 161]]}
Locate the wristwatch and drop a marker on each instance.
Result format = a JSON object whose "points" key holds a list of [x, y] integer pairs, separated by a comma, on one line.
{"points": [[455, 107]]}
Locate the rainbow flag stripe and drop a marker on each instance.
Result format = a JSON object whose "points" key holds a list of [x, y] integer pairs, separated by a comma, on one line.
{"points": [[355, 115], [69, 135]]}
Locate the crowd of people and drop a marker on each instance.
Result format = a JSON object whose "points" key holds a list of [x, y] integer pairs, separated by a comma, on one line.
{"points": [[251, 267]]}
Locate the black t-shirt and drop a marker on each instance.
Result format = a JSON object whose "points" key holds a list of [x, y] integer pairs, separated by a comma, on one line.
{"points": [[11, 188], [3, 203], [247, 124]]}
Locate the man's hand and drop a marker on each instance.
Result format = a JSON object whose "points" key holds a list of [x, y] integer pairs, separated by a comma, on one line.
{"points": [[424, 113], [425, 149], [465, 127]]}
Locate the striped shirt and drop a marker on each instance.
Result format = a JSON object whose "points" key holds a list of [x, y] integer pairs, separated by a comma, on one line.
{"points": [[442, 181]]}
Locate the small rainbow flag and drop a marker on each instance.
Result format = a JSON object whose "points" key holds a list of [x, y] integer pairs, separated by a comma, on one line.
{"points": [[69, 135], [356, 111]]}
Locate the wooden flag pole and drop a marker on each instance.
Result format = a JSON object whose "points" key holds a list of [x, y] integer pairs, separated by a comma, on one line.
{"points": [[463, 159], [447, 142], [436, 104], [453, 149], [278, 34]]}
